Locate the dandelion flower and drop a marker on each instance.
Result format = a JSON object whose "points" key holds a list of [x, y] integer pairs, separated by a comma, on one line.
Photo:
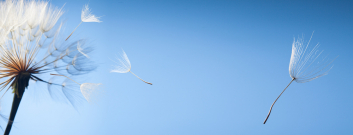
{"points": [[124, 66], [30, 48], [86, 16], [304, 65]]}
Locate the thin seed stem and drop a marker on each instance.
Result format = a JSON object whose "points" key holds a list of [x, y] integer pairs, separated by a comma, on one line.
{"points": [[140, 78], [66, 77], [73, 31], [268, 115]]}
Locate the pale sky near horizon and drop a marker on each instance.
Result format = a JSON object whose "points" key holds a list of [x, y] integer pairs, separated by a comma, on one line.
{"points": [[216, 68]]}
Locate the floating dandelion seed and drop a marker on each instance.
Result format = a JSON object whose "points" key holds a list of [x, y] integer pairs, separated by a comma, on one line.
{"points": [[86, 16], [304, 65], [124, 66], [86, 88], [30, 46]]}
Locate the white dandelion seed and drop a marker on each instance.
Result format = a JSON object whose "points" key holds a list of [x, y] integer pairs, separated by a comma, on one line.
{"points": [[124, 66], [304, 65], [50, 17], [86, 16], [87, 89]]}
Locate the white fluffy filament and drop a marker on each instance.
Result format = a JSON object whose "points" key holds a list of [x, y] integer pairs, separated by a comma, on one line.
{"points": [[304, 65], [86, 16], [124, 66], [89, 89]]}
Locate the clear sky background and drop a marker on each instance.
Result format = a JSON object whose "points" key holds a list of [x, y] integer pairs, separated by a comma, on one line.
{"points": [[216, 68]]}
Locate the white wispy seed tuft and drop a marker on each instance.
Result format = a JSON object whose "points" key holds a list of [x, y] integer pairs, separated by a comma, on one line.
{"points": [[304, 65], [87, 16], [124, 66]]}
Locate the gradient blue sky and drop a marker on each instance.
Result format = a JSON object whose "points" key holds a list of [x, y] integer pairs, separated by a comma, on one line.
{"points": [[216, 68]]}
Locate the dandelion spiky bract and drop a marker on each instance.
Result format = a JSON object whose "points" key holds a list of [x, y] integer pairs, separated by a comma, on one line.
{"points": [[86, 16], [31, 46], [306, 64], [124, 66]]}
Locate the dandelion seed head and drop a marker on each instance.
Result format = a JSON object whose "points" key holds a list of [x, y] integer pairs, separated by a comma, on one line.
{"points": [[87, 16], [307, 63], [124, 64]]}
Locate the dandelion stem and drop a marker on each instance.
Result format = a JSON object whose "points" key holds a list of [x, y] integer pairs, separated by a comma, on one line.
{"points": [[15, 105], [73, 31], [140, 78], [268, 115], [19, 86]]}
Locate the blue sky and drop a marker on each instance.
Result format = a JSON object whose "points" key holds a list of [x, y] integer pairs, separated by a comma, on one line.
{"points": [[216, 68]]}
